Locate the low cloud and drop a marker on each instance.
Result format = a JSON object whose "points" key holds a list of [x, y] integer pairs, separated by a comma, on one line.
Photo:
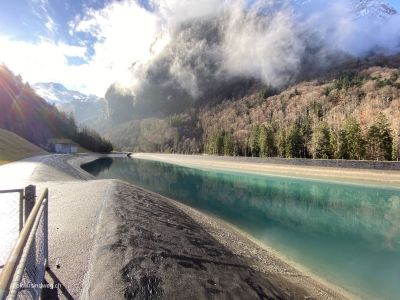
{"points": [[272, 41], [41, 61], [176, 48]]}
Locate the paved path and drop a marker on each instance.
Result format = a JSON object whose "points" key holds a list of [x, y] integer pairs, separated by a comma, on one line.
{"points": [[14, 175], [74, 207]]}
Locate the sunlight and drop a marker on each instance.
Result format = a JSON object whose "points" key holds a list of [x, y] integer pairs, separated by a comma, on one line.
{"points": [[245, 148], [9, 224]]}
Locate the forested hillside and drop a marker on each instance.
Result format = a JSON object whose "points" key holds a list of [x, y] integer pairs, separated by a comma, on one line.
{"points": [[26, 114], [353, 114]]}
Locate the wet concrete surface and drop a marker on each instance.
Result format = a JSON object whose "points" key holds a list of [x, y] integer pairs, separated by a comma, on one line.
{"points": [[147, 248]]}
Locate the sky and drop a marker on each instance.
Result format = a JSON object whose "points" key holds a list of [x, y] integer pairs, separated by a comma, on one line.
{"points": [[84, 44]]}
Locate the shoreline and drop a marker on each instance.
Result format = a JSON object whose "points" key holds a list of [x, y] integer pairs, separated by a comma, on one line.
{"points": [[298, 270], [263, 257], [287, 268], [370, 177], [358, 177], [207, 247]]}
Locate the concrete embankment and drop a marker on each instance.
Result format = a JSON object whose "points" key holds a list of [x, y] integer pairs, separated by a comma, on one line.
{"points": [[112, 240], [364, 172], [151, 247], [300, 162]]}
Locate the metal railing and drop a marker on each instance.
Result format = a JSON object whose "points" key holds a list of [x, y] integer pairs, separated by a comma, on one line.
{"points": [[23, 273]]}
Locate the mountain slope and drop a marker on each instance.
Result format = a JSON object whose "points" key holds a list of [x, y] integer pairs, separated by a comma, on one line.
{"points": [[14, 147], [299, 115], [276, 43], [86, 109], [23, 112], [293, 123]]}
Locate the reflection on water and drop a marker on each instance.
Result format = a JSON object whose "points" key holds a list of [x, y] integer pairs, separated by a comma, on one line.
{"points": [[349, 234], [100, 166]]}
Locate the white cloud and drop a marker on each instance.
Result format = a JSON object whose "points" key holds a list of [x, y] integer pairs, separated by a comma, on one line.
{"points": [[51, 25], [124, 33], [41, 62], [176, 11]]}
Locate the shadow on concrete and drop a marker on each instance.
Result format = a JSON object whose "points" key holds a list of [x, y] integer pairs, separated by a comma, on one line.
{"points": [[58, 292], [156, 251]]}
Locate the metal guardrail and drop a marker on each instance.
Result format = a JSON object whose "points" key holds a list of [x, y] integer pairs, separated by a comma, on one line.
{"points": [[23, 273]]}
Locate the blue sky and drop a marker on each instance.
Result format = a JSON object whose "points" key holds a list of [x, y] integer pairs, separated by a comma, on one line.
{"points": [[83, 44], [58, 40], [27, 19], [35, 20]]}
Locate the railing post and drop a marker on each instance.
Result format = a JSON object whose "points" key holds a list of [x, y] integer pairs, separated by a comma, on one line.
{"points": [[21, 210], [46, 230], [29, 203]]}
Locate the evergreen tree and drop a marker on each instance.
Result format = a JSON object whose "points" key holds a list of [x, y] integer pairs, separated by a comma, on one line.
{"points": [[294, 142], [321, 141], [336, 143], [351, 140], [220, 143], [228, 144], [254, 140], [395, 152], [215, 143], [281, 142], [266, 141], [380, 141], [306, 133]]}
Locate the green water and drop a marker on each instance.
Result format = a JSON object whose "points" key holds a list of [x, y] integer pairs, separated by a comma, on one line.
{"points": [[347, 234]]}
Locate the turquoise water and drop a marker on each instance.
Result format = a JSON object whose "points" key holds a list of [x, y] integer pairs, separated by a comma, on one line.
{"points": [[347, 234]]}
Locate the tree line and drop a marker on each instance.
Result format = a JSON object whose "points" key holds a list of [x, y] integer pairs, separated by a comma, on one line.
{"points": [[306, 139]]}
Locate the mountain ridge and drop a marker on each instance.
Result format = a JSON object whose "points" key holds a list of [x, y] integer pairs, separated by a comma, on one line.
{"points": [[86, 109], [56, 93], [26, 114], [378, 8]]}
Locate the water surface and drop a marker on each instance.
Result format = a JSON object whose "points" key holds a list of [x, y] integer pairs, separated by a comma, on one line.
{"points": [[348, 234]]}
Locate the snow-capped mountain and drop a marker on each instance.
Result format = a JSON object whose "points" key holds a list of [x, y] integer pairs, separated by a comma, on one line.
{"points": [[361, 8], [86, 109], [377, 8], [56, 93]]}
